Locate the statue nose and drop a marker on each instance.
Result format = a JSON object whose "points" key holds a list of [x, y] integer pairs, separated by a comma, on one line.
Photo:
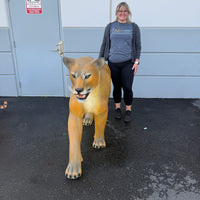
{"points": [[78, 90]]}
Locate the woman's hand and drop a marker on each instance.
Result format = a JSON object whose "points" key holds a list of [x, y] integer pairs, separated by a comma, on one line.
{"points": [[135, 68]]}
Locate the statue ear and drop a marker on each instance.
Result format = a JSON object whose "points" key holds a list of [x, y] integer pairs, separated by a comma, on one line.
{"points": [[99, 62], [68, 62]]}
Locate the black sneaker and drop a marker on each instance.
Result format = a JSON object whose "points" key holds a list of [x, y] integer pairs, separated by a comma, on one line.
{"points": [[118, 113], [127, 117]]}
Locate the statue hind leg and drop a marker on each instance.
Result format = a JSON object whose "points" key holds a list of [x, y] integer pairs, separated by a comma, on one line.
{"points": [[100, 123]]}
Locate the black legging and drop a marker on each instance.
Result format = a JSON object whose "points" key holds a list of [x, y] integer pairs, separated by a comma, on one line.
{"points": [[122, 77]]}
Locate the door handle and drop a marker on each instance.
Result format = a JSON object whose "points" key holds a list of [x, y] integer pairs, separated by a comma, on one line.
{"points": [[60, 48], [56, 50]]}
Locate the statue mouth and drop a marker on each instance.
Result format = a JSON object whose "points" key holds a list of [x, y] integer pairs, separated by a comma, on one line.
{"points": [[82, 96]]}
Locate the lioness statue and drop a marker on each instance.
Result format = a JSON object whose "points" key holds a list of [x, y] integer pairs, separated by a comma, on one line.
{"points": [[90, 92]]}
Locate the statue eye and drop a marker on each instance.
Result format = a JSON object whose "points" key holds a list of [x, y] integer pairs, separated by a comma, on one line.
{"points": [[73, 75], [87, 76]]}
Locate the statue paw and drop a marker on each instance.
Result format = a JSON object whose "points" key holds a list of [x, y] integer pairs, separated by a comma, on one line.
{"points": [[73, 171], [88, 119], [99, 143]]}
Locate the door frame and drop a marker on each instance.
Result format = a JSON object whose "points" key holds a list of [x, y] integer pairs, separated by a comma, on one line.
{"points": [[12, 43]]}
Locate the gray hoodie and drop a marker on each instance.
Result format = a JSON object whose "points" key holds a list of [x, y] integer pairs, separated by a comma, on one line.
{"points": [[136, 43]]}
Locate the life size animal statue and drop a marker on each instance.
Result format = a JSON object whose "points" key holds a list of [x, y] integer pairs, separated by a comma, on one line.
{"points": [[90, 93]]}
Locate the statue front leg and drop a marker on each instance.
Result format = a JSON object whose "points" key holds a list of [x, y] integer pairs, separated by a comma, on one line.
{"points": [[75, 126]]}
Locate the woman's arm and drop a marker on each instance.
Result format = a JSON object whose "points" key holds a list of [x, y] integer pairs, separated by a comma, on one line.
{"points": [[103, 45], [137, 48], [137, 42]]}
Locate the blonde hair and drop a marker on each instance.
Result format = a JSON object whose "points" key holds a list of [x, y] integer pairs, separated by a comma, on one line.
{"points": [[123, 4]]}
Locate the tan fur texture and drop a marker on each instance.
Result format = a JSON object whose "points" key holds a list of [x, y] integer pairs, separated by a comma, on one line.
{"points": [[90, 93]]}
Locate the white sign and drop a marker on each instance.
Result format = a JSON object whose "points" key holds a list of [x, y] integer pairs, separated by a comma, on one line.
{"points": [[34, 6]]}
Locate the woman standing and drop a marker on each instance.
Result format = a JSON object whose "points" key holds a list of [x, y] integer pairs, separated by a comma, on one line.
{"points": [[121, 47]]}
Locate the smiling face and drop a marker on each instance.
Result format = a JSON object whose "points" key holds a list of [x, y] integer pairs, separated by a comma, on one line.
{"points": [[122, 14]]}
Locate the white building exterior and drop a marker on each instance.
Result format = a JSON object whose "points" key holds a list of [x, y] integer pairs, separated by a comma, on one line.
{"points": [[170, 33]]}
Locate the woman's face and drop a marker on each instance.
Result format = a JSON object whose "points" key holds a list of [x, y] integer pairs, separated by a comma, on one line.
{"points": [[122, 14]]}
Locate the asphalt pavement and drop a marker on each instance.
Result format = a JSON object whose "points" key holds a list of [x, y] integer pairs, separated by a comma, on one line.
{"points": [[156, 156]]}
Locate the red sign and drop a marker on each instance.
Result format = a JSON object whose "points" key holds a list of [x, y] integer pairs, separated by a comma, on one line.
{"points": [[33, 6]]}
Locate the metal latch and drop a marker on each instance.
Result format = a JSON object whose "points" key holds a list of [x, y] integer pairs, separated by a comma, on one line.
{"points": [[60, 48]]}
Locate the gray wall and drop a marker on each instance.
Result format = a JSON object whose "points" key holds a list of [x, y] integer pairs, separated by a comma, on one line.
{"points": [[170, 59], [8, 86], [170, 56]]}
